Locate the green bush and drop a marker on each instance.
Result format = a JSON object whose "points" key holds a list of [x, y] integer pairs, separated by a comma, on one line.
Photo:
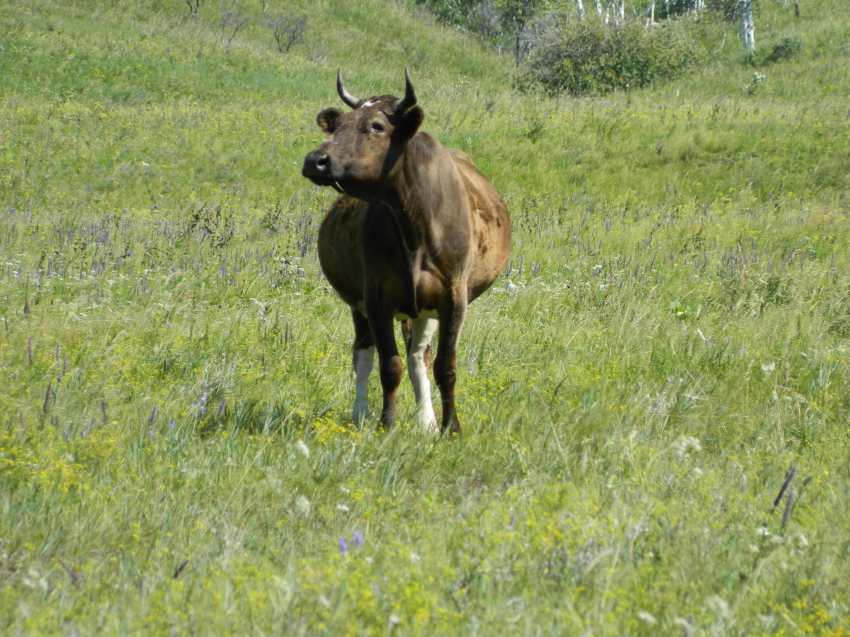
{"points": [[727, 10], [591, 57], [455, 12], [784, 49]]}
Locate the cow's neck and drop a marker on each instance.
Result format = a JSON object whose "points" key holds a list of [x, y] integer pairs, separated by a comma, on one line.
{"points": [[419, 182]]}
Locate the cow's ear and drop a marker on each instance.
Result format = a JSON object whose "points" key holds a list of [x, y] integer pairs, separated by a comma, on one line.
{"points": [[328, 119], [409, 124]]}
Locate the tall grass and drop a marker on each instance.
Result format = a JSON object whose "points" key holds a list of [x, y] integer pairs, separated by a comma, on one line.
{"points": [[667, 343]]}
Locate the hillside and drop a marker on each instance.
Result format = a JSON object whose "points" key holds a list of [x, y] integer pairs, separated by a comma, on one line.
{"points": [[183, 88], [654, 397]]}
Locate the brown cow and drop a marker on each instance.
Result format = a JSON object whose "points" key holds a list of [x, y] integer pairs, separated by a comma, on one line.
{"points": [[417, 233]]}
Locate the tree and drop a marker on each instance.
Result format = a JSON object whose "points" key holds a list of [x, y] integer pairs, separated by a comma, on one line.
{"points": [[517, 18], [232, 19], [194, 5], [748, 29], [287, 30]]}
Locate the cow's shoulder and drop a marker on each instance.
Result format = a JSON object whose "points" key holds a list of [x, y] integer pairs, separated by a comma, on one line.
{"points": [[459, 155]]}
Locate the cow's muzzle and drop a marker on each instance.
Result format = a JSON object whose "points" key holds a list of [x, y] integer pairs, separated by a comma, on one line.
{"points": [[317, 167]]}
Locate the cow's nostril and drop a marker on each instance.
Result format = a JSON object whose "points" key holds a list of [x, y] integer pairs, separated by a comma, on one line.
{"points": [[317, 164]]}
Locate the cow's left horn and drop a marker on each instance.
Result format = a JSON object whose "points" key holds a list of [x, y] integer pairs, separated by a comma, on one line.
{"points": [[409, 98], [347, 97]]}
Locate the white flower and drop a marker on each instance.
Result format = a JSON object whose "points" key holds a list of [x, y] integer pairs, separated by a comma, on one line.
{"points": [[303, 448], [303, 505], [649, 619], [685, 444], [718, 606]]}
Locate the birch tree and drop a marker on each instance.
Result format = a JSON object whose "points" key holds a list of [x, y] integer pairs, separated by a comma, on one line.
{"points": [[748, 29]]}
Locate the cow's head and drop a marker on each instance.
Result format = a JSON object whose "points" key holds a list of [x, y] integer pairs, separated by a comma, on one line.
{"points": [[363, 145]]}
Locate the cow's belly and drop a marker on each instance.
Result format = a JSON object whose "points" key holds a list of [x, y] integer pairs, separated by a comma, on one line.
{"points": [[399, 316]]}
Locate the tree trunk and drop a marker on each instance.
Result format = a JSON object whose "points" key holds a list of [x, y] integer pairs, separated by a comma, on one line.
{"points": [[580, 10], [749, 29], [614, 8]]}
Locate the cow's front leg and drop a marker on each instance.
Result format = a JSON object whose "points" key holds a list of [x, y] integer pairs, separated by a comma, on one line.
{"points": [[364, 355], [452, 312], [418, 352], [389, 362]]}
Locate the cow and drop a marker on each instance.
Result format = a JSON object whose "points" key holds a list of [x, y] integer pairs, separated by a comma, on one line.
{"points": [[416, 234]]}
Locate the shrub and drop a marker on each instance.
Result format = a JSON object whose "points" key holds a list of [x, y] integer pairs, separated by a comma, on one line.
{"points": [[458, 12], [727, 10], [784, 49], [591, 57]]}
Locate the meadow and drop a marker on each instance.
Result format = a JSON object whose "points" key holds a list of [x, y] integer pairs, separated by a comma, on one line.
{"points": [[654, 397]]}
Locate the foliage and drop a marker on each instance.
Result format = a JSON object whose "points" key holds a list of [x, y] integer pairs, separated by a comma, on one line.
{"points": [[592, 57], [754, 84], [726, 10], [459, 12], [785, 49], [508, 22], [666, 9]]}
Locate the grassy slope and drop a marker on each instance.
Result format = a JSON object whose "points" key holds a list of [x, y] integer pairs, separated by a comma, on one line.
{"points": [[670, 337]]}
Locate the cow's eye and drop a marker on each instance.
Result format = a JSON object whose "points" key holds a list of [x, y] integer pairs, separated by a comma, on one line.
{"points": [[377, 127]]}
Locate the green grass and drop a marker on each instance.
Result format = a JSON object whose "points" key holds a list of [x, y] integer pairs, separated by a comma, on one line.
{"points": [[670, 338]]}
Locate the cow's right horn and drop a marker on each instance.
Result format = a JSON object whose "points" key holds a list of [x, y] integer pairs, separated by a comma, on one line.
{"points": [[409, 98], [347, 97]]}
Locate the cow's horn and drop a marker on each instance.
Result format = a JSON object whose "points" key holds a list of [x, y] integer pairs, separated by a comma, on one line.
{"points": [[347, 97], [409, 98]]}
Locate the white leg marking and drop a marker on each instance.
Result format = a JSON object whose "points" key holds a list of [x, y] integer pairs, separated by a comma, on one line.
{"points": [[422, 335], [363, 361]]}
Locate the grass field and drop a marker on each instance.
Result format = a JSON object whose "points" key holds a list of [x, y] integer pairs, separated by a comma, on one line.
{"points": [[654, 398]]}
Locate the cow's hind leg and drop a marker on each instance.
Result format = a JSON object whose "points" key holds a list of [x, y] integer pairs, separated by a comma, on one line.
{"points": [[418, 354], [452, 312], [364, 356]]}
